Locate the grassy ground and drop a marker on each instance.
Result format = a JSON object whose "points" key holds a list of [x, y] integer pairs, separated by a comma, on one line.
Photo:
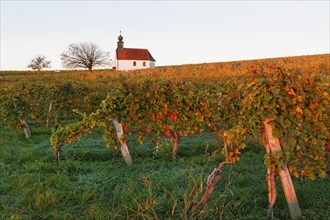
{"points": [[92, 182]]}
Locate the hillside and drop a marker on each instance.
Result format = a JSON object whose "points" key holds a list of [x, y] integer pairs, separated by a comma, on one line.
{"points": [[191, 71], [142, 144]]}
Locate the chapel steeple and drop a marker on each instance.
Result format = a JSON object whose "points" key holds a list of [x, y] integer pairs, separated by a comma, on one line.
{"points": [[120, 43]]}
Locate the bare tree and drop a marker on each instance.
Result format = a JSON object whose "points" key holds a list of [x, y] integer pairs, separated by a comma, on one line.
{"points": [[84, 55], [38, 63]]}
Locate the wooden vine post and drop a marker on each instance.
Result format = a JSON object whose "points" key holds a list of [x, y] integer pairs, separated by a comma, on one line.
{"points": [[175, 141], [26, 128], [49, 112], [272, 145], [123, 146], [24, 124]]}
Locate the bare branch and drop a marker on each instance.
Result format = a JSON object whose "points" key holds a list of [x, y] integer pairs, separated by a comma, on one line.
{"points": [[39, 63], [84, 55]]}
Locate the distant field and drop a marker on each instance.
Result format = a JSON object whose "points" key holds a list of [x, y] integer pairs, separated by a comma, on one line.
{"points": [[93, 182], [189, 71]]}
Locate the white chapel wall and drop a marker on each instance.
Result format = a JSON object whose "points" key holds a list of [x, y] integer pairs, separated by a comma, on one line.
{"points": [[128, 64]]}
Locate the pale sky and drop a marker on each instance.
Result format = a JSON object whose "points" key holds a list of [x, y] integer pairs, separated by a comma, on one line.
{"points": [[175, 32]]}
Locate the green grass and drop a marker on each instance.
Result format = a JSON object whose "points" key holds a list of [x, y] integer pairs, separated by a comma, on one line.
{"points": [[92, 182]]}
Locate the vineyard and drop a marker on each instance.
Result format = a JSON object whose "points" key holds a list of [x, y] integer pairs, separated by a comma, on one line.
{"points": [[198, 141]]}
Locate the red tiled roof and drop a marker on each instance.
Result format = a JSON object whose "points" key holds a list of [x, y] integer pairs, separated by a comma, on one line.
{"points": [[134, 54]]}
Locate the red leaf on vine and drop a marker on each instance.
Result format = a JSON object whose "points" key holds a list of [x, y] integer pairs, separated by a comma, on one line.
{"points": [[320, 89], [172, 115]]}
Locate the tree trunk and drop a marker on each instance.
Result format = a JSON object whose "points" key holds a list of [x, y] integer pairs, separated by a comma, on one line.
{"points": [[270, 179], [272, 194], [123, 146], [212, 180], [26, 128], [175, 141], [272, 144], [58, 154]]}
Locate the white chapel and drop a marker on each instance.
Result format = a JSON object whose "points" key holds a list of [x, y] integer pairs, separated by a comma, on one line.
{"points": [[132, 58]]}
